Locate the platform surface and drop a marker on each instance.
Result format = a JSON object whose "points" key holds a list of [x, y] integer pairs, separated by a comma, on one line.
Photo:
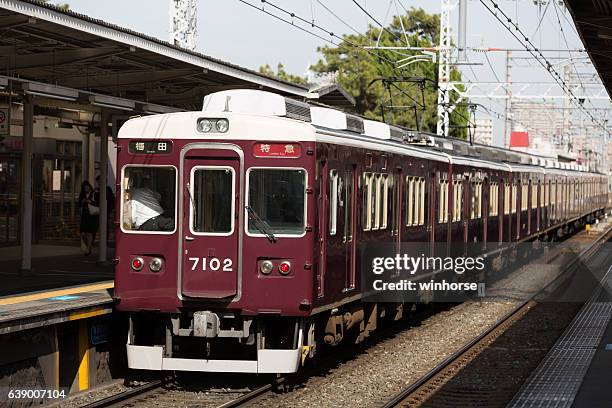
{"points": [[576, 371], [53, 266]]}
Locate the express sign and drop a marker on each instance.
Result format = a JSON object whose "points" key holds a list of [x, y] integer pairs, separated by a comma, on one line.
{"points": [[289, 150]]}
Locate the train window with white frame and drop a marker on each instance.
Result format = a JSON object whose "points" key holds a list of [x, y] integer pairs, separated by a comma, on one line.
{"points": [[506, 198], [534, 194], [524, 195], [457, 200], [410, 200], [514, 198], [148, 199], [348, 206], [367, 201], [212, 196], [333, 201], [276, 197], [476, 210], [494, 199], [376, 199], [421, 218], [385, 185]]}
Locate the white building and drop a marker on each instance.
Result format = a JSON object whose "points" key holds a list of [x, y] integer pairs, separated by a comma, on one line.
{"points": [[483, 132]]}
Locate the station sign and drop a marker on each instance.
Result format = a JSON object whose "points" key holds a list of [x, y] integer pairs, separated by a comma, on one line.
{"points": [[285, 150], [150, 147]]}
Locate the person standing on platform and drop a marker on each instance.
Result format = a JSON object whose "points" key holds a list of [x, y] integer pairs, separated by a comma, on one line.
{"points": [[90, 213]]}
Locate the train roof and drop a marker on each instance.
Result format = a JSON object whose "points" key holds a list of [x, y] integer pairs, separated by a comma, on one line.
{"points": [[286, 119]]}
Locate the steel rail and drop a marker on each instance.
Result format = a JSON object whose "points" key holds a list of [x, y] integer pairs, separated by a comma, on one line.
{"points": [[507, 318]]}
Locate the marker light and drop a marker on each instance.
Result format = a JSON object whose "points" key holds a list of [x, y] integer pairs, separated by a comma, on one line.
{"points": [[137, 264], [284, 267], [266, 267], [222, 125], [155, 265]]}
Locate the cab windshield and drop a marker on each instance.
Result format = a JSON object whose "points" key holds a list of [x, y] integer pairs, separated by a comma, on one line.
{"points": [[277, 196], [148, 198]]}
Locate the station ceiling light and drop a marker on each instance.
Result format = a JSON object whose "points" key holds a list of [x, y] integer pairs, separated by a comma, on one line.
{"points": [[50, 91], [112, 102]]}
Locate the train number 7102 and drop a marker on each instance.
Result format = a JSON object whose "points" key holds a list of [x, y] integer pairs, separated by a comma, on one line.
{"points": [[211, 264]]}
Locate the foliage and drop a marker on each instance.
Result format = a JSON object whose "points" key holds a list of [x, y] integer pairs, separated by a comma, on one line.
{"points": [[358, 70], [281, 74]]}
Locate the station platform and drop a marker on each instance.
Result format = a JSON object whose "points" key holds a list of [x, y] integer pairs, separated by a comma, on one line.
{"points": [[576, 371], [53, 266]]}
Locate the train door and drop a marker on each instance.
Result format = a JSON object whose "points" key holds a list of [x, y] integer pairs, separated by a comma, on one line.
{"points": [[210, 223], [349, 195], [338, 251], [322, 205], [396, 212]]}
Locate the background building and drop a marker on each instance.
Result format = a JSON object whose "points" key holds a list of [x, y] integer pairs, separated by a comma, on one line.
{"points": [[483, 132]]}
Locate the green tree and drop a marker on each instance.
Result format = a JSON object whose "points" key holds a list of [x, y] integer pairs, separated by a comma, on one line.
{"points": [[357, 71], [282, 74]]}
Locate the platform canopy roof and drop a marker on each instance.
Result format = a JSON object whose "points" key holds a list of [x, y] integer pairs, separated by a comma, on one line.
{"points": [[43, 43], [593, 19]]}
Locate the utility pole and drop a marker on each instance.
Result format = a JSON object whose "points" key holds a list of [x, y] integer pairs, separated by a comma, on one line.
{"points": [[462, 43], [183, 23], [508, 109], [444, 60]]}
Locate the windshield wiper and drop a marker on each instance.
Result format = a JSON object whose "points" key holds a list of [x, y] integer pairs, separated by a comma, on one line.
{"points": [[193, 206], [260, 224]]}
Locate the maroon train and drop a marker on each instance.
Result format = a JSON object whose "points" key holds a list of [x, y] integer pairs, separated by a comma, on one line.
{"points": [[239, 225]]}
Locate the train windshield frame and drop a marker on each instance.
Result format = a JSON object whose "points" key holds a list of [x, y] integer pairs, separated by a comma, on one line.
{"points": [[278, 196], [148, 199]]}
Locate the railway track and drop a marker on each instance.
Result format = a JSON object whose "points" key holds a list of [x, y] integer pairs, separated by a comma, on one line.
{"points": [[420, 391], [160, 394], [157, 393]]}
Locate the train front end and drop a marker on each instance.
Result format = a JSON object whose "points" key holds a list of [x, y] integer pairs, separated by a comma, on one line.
{"points": [[214, 241]]}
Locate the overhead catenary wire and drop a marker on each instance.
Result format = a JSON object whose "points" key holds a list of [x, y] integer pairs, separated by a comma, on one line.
{"points": [[331, 34], [338, 17], [367, 13], [509, 25]]}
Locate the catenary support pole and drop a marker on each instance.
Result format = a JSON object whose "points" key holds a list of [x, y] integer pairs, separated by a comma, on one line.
{"points": [[103, 183], [26, 182]]}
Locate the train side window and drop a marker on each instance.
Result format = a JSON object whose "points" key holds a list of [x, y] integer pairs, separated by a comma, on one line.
{"points": [[493, 199], [524, 193], [420, 202], [333, 201], [441, 201], [506, 198], [410, 201], [514, 197], [385, 185], [348, 206], [421, 219], [534, 194], [476, 210], [376, 201], [457, 200], [367, 201]]}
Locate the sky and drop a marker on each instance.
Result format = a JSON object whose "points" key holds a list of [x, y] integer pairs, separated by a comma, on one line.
{"points": [[232, 31]]}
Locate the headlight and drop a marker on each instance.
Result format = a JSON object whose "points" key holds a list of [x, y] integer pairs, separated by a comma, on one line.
{"points": [[222, 125], [155, 265], [266, 267], [205, 125]]}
